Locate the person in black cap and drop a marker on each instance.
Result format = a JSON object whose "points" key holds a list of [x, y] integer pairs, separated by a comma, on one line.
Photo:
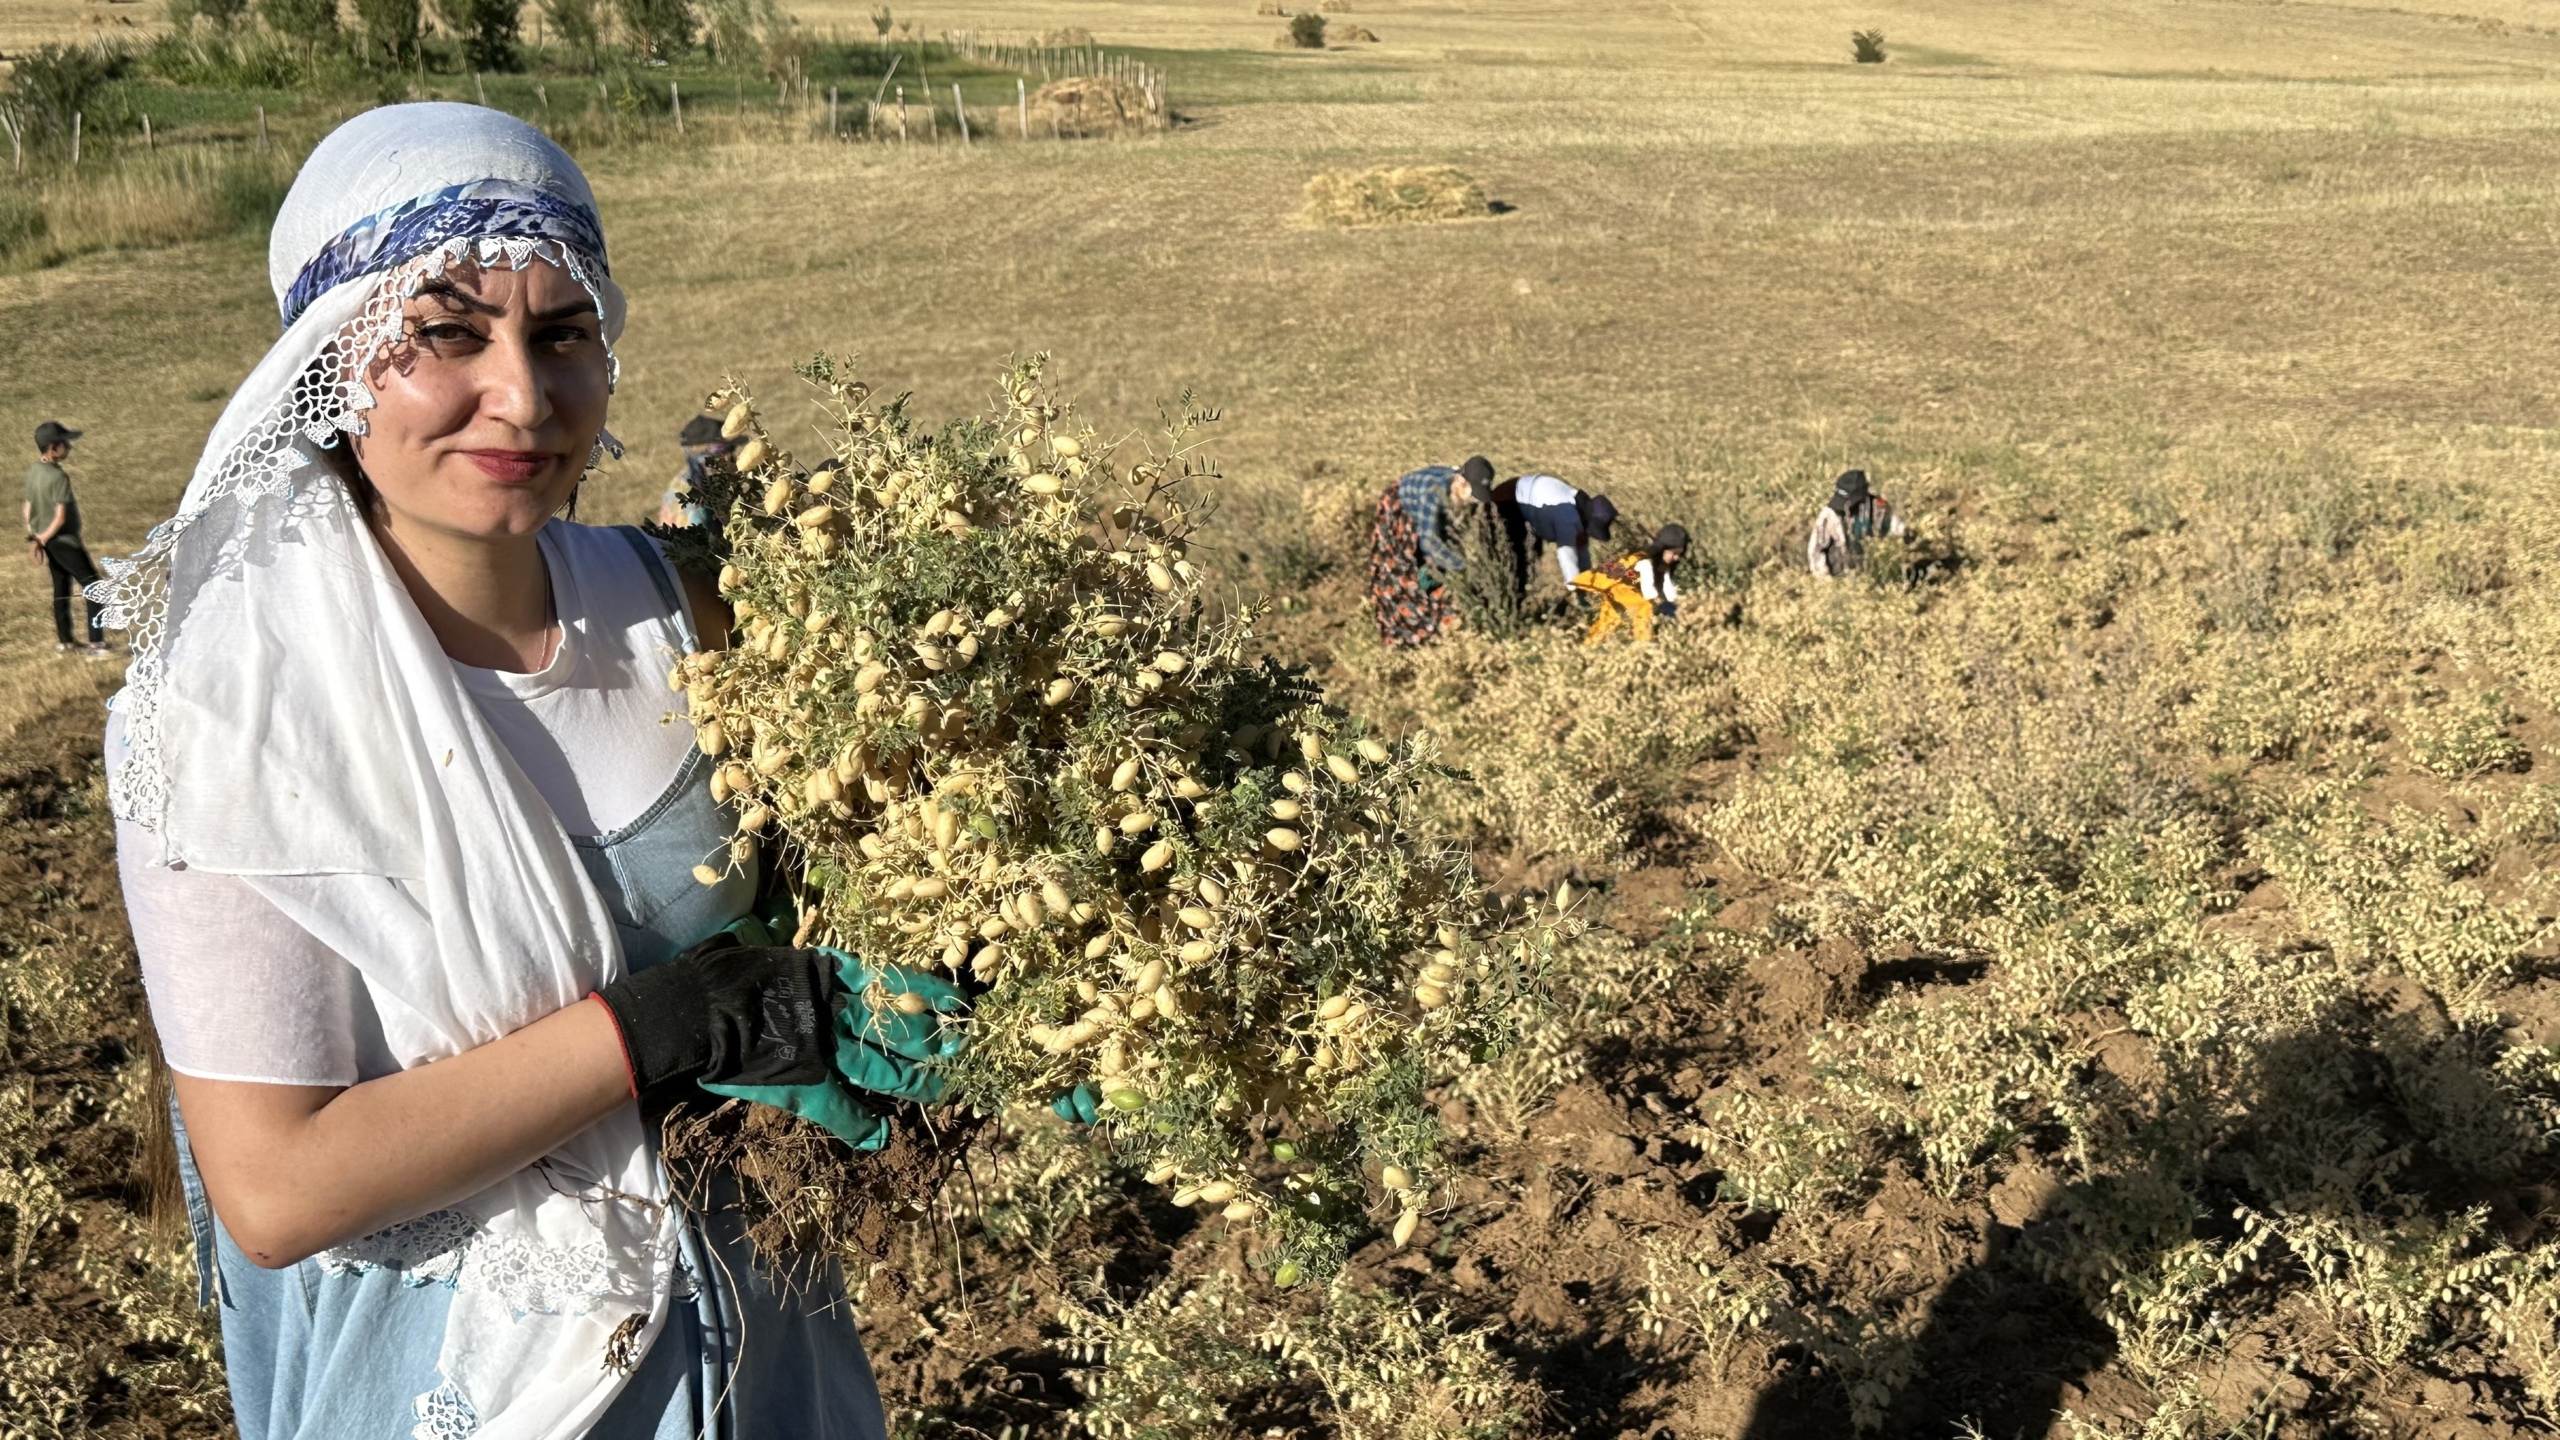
{"points": [[53, 535], [1842, 528], [1410, 548]]}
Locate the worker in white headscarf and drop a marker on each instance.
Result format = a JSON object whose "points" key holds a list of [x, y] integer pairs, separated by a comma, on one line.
{"points": [[409, 852]]}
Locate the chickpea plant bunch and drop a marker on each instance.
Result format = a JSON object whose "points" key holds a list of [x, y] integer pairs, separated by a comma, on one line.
{"points": [[977, 694]]}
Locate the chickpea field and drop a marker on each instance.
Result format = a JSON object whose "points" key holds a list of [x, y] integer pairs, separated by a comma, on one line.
{"points": [[2091, 974]]}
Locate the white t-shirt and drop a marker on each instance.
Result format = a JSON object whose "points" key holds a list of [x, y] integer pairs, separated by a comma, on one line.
{"points": [[1542, 490], [239, 992]]}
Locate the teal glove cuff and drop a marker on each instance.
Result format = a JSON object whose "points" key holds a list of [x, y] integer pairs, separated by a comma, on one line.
{"points": [[827, 1103]]}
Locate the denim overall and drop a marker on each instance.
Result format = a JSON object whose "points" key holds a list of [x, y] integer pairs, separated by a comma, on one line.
{"points": [[332, 1349]]}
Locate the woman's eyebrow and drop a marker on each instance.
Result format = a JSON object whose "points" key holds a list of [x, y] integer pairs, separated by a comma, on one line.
{"points": [[573, 310], [451, 293]]}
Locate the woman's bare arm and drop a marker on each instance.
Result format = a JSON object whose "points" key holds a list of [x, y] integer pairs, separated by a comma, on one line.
{"points": [[295, 1169]]}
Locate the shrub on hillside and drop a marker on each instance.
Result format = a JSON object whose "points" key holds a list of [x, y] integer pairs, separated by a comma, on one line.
{"points": [[1867, 46], [490, 29], [576, 26], [50, 86], [304, 22], [391, 29], [1306, 31], [660, 29]]}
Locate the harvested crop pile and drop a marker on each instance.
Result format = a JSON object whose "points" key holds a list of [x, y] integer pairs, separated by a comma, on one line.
{"points": [[1394, 195], [979, 698], [1091, 105], [1356, 35]]}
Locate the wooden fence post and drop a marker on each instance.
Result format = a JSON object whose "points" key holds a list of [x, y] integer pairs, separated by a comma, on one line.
{"points": [[675, 102], [832, 131], [75, 139], [262, 127], [146, 131], [480, 89], [960, 109], [1021, 105]]}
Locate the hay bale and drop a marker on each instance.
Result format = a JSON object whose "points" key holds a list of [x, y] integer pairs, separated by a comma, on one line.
{"points": [[1269, 7], [1394, 195], [1091, 105], [1356, 35], [1336, 7], [1070, 38]]}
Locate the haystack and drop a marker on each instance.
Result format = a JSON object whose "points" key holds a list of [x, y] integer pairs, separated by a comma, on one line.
{"points": [[1356, 35], [1269, 7], [1091, 105], [1335, 7], [1394, 195]]}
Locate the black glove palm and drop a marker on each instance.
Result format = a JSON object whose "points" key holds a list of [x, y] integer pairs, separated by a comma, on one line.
{"points": [[728, 1013]]}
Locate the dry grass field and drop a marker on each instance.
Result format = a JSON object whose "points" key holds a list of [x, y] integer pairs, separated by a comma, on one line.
{"points": [[2099, 988]]}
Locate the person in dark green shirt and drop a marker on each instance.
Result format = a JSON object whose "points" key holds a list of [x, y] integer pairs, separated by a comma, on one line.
{"points": [[53, 536]]}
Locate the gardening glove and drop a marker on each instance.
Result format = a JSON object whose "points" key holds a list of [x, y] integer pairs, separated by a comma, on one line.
{"points": [[828, 1103], [729, 1013], [1081, 1106], [878, 1049], [896, 1022]]}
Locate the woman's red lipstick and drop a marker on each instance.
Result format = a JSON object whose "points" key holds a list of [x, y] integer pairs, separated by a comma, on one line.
{"points": [[510, 464]]}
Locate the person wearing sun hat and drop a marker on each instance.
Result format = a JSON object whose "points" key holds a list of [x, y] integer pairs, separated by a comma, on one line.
{"points": [[53, 536], [1842, 528]]}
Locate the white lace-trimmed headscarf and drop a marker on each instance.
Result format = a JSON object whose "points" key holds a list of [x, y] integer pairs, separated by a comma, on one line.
{"points": [[291, 720]]}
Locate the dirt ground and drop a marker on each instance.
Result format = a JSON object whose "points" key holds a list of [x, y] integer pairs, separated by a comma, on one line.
{"points": [[1538, 1248]]}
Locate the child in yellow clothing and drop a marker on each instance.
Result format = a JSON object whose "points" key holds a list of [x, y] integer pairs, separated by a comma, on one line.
{"points": [[1633, 588]]}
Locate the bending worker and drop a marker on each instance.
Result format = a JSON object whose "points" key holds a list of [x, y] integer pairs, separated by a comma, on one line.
{"points": [[1410, 548], [1636, 587], [1564, 517], [1842, 528]]}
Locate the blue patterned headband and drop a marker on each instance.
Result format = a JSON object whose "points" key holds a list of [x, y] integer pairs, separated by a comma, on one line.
{"points": [[481, 209]]}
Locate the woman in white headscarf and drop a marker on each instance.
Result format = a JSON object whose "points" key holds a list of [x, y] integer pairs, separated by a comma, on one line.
{"points": [[408, 839]]}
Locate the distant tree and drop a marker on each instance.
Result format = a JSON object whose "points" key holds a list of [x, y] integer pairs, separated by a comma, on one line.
{"points": [[490, 30], [660, 29], [310, 22], [47, 88], [391, 28], [1306, 31], [578, 26], [1867, 46], [732, 27]]}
